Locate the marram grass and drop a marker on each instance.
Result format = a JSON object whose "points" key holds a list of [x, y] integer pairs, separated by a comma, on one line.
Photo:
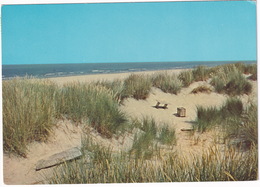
{"points": [[211, 165], [28, 113], [168, 83]]}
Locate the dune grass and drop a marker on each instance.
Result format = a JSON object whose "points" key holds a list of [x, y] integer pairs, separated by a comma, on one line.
{"points": [[211, 165], [186, 77], [201, 73], [145, 144], [136, 86], [208, 117], [31, 107], [168, 83], [235, 120], [28, 113], [116, 86], [167, 136], [93, 104], [231, 81]]}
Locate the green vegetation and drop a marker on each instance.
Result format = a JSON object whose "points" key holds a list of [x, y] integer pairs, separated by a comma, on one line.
{"points": [[167, 136], [186, 77], [231, 82], [28, 113], [92, 103], [201, 73], [137, 86], [30, 108], [168, 83], [145, 142], [235, 120], [206, 118], [116, 86]]}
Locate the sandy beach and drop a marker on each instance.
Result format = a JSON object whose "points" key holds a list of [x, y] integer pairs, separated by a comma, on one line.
{"points": [[19, 170], [106, 77]]}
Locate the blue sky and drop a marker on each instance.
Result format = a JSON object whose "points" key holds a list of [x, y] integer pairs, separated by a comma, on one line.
{"points": [[129, 32]]}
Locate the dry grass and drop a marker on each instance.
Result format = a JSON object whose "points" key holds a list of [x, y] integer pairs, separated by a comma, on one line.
{"points": [[212, 165], [202, 89]]}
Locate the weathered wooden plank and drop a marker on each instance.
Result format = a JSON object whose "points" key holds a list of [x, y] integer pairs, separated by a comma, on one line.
{"points": [[59, 158], [187, 129]]}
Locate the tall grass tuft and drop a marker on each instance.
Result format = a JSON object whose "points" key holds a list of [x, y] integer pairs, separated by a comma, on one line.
{"points": [[232, 107], [137, 86], [167, 136], [186, 77], [116, 86], [207, 118], [236, 121], [92, 103], [201, 73], [231, 82], [28, 112], [144, 143], [168, 83], [250, 124]]}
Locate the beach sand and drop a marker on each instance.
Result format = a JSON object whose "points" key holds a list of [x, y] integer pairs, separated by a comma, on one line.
{"points": [[66, 135]]}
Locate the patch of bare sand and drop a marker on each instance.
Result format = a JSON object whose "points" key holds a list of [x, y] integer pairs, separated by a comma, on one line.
{"points": [[19, 170]]}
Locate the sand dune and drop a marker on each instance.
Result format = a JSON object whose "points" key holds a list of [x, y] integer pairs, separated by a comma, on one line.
{"points": [[66, 135]]}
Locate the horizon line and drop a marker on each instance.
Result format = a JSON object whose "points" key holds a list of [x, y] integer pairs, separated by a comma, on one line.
{"points": [[133, 62]]}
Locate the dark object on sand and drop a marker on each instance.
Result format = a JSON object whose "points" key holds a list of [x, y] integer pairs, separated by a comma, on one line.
{"points": [[157, 105], [165, 106], [59, 158], [187, 129], [181, 112]]}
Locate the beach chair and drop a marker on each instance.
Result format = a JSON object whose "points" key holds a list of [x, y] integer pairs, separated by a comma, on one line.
{"points": [[157, 105], [165, 106]]}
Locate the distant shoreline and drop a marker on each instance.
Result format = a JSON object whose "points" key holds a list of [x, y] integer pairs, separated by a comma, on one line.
{"points": [[69, 70], [106, 77]]}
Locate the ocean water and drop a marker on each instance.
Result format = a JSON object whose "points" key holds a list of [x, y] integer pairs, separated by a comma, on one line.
{"points": [[62, 70]]}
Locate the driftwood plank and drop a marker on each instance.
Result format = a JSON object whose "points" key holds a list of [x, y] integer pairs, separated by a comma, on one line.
{"points": [[187, 129], [59, 158]]}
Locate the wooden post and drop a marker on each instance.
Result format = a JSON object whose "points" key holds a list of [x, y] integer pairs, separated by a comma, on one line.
{"points": [[181, 112]]}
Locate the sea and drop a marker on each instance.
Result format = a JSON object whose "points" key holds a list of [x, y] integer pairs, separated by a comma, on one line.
{"points": [[64, 70]]}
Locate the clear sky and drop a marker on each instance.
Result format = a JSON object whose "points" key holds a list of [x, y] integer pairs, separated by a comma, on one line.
{"points": [[129, 32]]}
